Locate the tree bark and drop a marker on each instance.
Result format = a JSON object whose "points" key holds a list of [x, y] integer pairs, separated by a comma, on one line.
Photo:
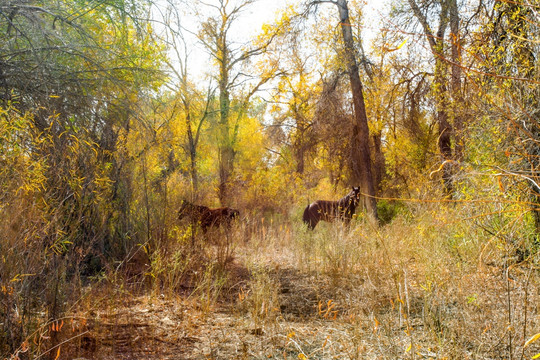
{"points": [[457, 94], [226, 152], [379, 162], [300, 149], [436, 43], [360, 156], [192, 156]]}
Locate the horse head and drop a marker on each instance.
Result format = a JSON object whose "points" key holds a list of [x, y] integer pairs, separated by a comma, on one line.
{"points": [[354, 195], [185, 209], [233, 214]]}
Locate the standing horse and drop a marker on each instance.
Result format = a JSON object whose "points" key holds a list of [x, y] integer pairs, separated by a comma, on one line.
{"points": [[342, 209], [206, 216]]}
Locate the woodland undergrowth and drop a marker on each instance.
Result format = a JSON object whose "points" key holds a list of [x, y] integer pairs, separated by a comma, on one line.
{"points": [[440, 280]]}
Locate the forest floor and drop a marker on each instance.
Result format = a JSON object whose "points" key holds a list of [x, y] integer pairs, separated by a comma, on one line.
{"points": [[308, 325], [275, 304]]}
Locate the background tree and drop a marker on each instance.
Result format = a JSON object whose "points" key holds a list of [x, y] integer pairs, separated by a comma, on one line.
{"points": [[293, 98], [214, 35], [193, 105], [360, 150], [436, 41]]}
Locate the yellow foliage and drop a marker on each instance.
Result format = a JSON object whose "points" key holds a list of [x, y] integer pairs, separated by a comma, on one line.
{"points": [[533, 338]]}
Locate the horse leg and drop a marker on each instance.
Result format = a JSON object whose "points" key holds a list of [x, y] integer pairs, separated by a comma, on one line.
{"points": [[309, 219], [313, 219]]}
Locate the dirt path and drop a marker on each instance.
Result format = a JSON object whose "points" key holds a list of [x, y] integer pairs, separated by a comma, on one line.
{"points": [[307, 322], [277, 308]]}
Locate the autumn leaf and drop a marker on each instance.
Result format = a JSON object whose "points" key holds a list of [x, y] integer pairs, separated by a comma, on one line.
{"points": [[395, 49], [57, 354], [531, 340]]}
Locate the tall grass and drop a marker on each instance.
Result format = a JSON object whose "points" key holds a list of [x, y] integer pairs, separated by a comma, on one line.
{"points": [[433, 282]]}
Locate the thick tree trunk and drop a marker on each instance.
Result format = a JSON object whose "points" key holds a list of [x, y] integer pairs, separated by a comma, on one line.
{"points": [[361, 158]]}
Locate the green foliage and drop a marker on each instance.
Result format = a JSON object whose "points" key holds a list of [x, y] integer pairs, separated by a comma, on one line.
{"points": [[388, 210], [22, 172]]}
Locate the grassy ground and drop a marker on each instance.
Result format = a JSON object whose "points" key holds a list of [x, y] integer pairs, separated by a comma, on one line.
{"points": [[421, 287]]}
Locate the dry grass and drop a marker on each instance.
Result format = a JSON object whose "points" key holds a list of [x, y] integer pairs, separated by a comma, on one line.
{"points": [[421, 287]]}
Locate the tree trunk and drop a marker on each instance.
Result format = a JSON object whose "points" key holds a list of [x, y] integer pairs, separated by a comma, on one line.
{"points": [[360, 156], [379, 162], [214, 37], [226, 152], [300, 146], [436, 43], [457, 95], [192, 156], [300, 163], [445, 129]]}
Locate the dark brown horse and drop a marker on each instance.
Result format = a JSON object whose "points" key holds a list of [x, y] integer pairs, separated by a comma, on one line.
{"points": [[206, 216], [342, 209]]}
